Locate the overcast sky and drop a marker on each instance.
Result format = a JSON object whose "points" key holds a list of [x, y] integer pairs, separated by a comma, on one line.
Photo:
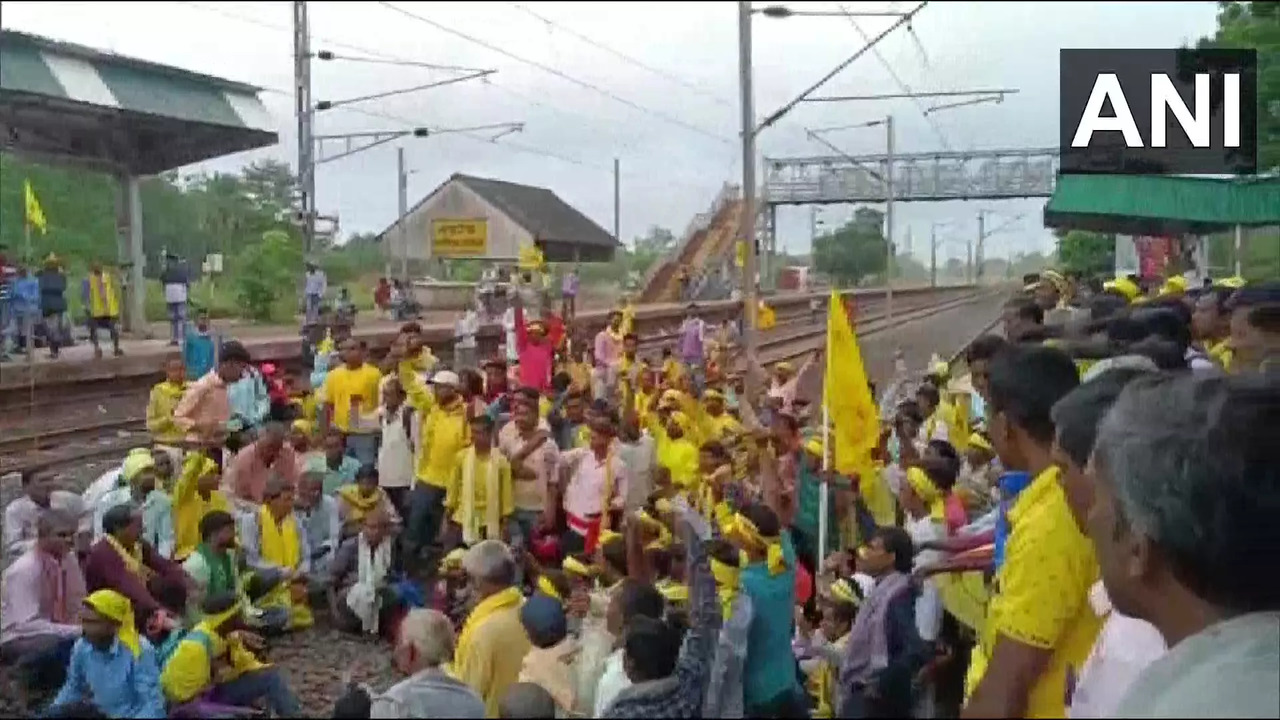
{"points": [[674, 154]]}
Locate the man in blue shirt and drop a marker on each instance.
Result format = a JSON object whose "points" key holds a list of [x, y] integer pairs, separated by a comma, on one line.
{"points": [[770, 684], [111, 667]]}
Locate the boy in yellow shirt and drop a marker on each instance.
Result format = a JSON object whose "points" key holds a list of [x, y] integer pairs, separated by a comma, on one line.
{"points": [[164, 398], [480, 500]]}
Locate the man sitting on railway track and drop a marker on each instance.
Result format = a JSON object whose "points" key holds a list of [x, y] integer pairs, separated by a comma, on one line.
{"points": [[140, 487], [205, 410], [22, 515], [123, 561]]}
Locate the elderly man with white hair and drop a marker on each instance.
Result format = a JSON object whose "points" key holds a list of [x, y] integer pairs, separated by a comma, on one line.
{"points": [[424, 647], [493, 643]]}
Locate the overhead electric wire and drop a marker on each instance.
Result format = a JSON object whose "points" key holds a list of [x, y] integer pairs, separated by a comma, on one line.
{"points": [[903, 86], [625, 57], [670, 119]]}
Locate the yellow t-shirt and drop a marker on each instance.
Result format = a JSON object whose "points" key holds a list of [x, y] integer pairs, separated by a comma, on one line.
{"points": [[1040, 596], [342, 384]]}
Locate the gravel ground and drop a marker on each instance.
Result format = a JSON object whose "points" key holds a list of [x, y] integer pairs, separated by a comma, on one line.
{"points": [[315, 661]]}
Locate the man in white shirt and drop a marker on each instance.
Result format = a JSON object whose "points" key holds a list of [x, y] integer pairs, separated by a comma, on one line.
{"points": [[22, 515], [1125, 645], [316, 284], [465, 330]]}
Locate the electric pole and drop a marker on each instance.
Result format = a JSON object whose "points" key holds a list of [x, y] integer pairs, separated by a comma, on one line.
{"points": [[617, 201], [982, 234], [749, 290], [402, 202], [933, 256], [304, 108]]}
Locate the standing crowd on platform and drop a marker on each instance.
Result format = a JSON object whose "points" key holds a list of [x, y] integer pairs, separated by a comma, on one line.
{"points": [[1080, 525]]}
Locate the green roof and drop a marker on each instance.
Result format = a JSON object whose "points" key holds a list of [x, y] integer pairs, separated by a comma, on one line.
{"points": [[53, 92], [1162, 204]]}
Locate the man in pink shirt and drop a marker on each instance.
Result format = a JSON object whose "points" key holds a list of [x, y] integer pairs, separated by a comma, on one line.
{"points": [[608, 355], [536, 353], [204, 410], [594, 482], [40, 607], [248, 473]]}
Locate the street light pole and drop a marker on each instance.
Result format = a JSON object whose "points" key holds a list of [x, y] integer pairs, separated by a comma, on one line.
{"points": [[402, 192], [750, 301], [888, 220]]}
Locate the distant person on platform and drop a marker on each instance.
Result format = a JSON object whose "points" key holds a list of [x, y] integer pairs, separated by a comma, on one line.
{"points": [[465, 329], [314, 289], [53, 302], [101, 299], [569, 294], [199, 347], [26, 307], [176, 288]]}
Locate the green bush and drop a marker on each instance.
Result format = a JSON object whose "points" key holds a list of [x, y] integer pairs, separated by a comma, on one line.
{"points": [[265, 274]]}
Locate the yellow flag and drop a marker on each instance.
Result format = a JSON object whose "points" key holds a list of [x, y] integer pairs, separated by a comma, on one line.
{"points": [[765, 317], [855, 422], [531, 258], [35, 215]]}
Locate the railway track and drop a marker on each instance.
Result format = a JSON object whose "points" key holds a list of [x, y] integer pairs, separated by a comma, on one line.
{"points": [[61, 438]]}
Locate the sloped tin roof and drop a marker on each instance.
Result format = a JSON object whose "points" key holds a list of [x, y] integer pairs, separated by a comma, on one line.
{"points": [[37, 65], [540, 211]]}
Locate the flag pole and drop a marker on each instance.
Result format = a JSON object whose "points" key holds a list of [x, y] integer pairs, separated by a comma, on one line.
{"points": [[825, 490]]}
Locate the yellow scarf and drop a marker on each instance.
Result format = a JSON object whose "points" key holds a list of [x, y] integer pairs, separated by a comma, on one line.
{"points": [[727, 578], [928, 493], [492, 500], [747, 533], [360, 505], [115, 606], [132, 560], [483, 610], [280, 545], [672, 591], [548, 588]]}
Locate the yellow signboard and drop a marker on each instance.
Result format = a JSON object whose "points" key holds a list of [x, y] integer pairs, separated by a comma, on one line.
{"points": [[459, 237]]}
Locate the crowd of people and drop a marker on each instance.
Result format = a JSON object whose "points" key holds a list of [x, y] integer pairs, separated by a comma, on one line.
{"points": [[1079, 526]]}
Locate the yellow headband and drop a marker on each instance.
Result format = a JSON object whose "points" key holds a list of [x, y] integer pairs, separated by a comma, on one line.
{"points": [[748, 534], [726, 575], [712, 394], [979, 440], [842, 591], [215, 621], [663, 505], [816, 447], [928, 493], [306, 427], [548, 588], [675, 592], [454, 558], [573, 565], [608, 536], [115, 606]]}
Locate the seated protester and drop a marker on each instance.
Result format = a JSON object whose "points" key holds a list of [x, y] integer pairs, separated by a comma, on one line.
{"points": [[883, 652], [215, 568], [273, 540], [213, 669], [769, 579], [195, 495], [838, 608], [669, 673], [357, 500], [451, 596], [319, 520], [424, 646], [40, 605], [111, 667], [480, 500], [335, 466], [360, 592], [141, 488], [124, 562], [268, 455], [22, 516], [528, 701], [548, 664], [724, 687], [103, 484]]}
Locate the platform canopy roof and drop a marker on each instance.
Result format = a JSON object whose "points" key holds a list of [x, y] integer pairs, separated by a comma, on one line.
{"points": [[69, 104], [1162, 204]]}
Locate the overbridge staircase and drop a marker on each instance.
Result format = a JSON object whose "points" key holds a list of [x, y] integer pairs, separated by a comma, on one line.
{"points": [[706, 242]]}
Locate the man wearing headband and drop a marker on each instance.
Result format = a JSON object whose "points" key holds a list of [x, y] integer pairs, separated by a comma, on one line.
{"points": [[112, 668], [214, 669]]}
